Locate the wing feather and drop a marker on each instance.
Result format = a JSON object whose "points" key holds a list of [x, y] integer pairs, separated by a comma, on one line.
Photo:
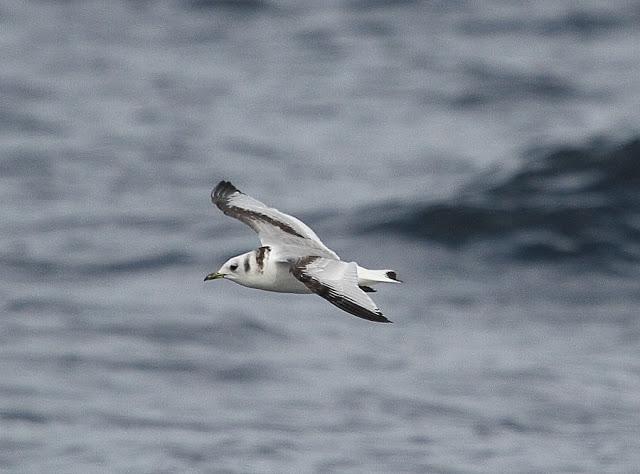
{"points": [[337, 282], [273, 227]]}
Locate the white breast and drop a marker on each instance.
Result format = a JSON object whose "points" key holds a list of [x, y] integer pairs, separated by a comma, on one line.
{"points": [[266, 273]]}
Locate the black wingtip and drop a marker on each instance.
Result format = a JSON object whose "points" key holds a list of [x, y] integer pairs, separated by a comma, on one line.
{"points": [[384, 320], [222, 190], [375, 317]]}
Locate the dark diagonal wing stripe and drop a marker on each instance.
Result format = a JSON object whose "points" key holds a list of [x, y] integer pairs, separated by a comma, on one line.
{"points": [[221, 197], [273, 227], [329, 291]]}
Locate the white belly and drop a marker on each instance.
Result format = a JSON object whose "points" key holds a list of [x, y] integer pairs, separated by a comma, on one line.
{"points": [[275, 277], [287, 285]]}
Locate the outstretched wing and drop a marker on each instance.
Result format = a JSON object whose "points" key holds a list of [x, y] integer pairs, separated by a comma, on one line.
{"points": [[273, 227], [337, 282]]}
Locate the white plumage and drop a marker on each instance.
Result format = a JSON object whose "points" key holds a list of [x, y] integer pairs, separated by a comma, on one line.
{"points": [[293, 259]]}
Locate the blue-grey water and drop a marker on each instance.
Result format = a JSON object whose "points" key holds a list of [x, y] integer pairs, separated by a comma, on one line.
{"points": [[487, 151]]}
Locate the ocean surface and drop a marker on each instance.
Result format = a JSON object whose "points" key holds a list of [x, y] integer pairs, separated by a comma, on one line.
{"points": [[487, 151]]}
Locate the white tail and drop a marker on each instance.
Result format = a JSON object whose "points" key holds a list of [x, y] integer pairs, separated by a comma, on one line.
{"points": [[368, 278]]}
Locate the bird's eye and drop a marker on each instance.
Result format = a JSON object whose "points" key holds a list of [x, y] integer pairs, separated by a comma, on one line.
{"points": [[233, 267]]}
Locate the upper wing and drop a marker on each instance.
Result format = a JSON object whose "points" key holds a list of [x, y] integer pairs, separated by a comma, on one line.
{"points": [[337, 282], [273, 227]]}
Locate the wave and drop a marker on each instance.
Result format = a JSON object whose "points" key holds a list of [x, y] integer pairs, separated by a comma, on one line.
{"points": [[563, 202], [583, 22], [491, 84], [235, 5], [40, 266], [234, 334], [23, 416]]}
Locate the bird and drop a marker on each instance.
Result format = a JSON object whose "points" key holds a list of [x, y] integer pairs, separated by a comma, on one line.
{"points": [[293, 259]]}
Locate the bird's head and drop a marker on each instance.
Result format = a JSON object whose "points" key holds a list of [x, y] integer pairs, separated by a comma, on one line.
{"points": [[231, 270]]}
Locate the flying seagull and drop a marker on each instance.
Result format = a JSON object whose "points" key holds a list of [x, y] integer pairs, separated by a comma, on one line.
{"points": [[292, 259]]}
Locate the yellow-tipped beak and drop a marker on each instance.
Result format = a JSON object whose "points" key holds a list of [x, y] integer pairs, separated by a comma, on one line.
{"points": [[213, 276]]}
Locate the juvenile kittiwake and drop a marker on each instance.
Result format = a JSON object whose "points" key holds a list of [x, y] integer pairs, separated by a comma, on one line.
{"points": [[292, 259]]}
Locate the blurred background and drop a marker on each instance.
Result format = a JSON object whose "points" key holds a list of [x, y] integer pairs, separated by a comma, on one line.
{"points": [[486, 150]]}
